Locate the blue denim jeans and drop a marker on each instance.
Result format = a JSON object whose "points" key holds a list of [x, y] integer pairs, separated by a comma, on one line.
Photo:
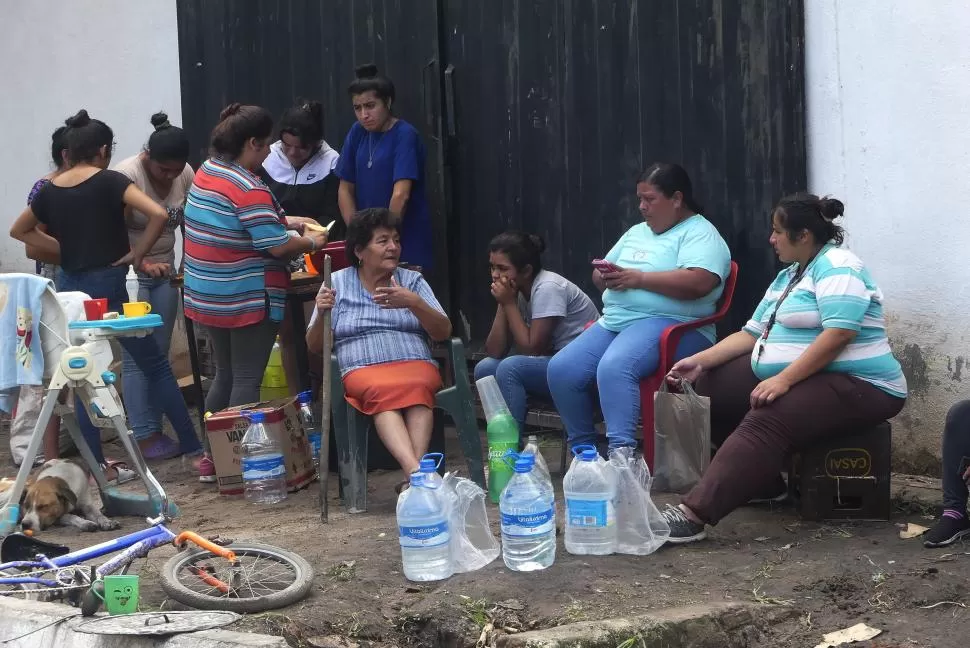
{"points": [[956, 446], [144, 413], [109, 283], [616, 362], [517, 377]]}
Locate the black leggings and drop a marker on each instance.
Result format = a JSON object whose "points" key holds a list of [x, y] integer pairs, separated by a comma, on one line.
{"points": [[241, 355]]}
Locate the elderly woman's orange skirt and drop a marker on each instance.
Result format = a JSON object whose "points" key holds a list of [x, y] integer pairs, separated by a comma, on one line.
{"points": [[392, 386]]}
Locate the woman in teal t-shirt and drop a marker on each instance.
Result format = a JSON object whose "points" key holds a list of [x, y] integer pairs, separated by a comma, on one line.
{"points": [[667, 270]]}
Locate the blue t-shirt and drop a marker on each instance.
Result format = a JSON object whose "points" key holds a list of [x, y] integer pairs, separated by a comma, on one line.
{"points": [[396, 154], [692, 243]]}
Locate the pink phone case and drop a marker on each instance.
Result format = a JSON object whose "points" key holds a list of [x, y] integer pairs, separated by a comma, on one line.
{"points": [[604, 266]]}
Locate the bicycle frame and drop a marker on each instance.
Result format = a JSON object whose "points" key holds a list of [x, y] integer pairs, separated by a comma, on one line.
{"points": [[134, 545]]}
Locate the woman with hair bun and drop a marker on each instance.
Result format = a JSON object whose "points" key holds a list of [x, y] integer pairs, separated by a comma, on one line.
{"points": [[539, 312], [83, 210], [382, 165], [237, 251], [299, 169], [812, 362], [162, 171]]}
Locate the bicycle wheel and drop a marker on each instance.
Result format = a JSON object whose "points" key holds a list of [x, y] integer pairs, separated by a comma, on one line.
{"points": [[267, 578]]}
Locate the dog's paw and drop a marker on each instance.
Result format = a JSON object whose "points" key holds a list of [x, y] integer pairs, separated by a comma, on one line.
{"points": [[107, 524], [88, 525]]}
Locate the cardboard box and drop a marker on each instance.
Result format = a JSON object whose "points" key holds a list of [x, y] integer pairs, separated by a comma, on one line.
{"points": [[225, 430]]}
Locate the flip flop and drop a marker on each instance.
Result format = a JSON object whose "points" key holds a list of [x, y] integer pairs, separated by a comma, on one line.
{"points": [[125, 474]]}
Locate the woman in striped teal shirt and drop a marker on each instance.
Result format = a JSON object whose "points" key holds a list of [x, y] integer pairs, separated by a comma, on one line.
{"points": [[813, 361]]}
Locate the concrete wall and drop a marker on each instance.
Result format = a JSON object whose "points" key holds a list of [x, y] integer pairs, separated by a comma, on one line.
{"points": [[888, 84], [116, 58]]}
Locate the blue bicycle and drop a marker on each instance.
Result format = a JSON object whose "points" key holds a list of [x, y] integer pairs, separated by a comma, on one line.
{"points": [[213, 575]]}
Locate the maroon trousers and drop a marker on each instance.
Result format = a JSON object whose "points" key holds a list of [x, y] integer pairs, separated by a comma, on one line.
{"points": [[754, 443]]}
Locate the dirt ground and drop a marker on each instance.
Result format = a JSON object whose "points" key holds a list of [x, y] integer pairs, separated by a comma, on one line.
{"points": [[827, 576]]}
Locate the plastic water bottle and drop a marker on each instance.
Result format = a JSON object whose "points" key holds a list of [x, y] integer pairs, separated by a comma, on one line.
{"points": [[502, 432], [428, 467], [528, 512], [422, 522], [263, 469], [131, 284], [311, 426], [532, 450], [590, 488]]}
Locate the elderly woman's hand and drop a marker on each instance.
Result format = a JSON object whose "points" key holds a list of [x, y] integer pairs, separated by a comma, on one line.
{"points": [[395, 296], [326, 297]]}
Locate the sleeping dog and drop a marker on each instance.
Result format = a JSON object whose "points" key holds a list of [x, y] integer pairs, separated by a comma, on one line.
{"points": [[60, 492]]}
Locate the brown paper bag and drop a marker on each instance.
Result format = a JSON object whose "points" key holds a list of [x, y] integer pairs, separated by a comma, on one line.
{"points": [[682, 423]]}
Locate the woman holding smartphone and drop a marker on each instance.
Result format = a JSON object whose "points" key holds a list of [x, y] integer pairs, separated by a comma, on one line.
{"points": [[664, 271]]}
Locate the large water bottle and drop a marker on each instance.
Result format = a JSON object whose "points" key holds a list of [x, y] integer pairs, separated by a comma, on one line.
{"points": [[590, 488], [311, 426], [428, 467], [422, 522], [263, 468], [541, 467], [528, 512]]}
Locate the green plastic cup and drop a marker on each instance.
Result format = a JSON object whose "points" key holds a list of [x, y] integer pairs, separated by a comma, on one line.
{"points": [[120, 594]]}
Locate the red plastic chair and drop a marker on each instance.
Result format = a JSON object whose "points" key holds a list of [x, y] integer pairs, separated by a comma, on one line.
{"points": [[668, 348]]}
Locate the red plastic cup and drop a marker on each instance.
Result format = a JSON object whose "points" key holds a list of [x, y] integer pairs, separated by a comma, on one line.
{"points": [[95, 309]]}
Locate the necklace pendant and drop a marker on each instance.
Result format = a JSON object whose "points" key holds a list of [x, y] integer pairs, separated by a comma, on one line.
{"points": [[370, 163]]}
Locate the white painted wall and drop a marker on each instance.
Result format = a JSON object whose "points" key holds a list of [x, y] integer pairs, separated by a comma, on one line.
{"points": [[888, 86], [116, 58]]}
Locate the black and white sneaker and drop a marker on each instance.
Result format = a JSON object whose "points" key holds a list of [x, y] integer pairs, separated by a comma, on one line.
{"points": [[682, 528], [947, 531]]}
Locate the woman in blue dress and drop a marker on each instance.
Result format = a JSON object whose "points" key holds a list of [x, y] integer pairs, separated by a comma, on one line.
{"points": [[382, 165]]}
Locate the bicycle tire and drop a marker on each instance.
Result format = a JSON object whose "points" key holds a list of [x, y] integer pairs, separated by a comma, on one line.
{"points": [[295, 591]]}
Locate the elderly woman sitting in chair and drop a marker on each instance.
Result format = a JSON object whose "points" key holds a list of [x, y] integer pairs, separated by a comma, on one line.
{"points": [[382, 317]]}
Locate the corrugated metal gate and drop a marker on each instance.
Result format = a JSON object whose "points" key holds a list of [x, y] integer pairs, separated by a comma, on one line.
{"points": [[537, 114]]}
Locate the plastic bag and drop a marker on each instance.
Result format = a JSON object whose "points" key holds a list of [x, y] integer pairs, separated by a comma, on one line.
{"points": [[682, 425], [472, 543], [640, 528]]}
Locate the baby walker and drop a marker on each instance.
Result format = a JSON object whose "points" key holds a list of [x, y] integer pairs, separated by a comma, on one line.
{"points": [[77, 354]]}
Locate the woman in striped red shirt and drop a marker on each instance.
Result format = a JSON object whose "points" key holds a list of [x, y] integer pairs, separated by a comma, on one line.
{"points": [[236, 252]]}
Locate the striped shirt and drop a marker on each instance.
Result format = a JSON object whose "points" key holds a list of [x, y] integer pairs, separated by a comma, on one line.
{"points": [[836, 291], [231, 221], [364, 334]]}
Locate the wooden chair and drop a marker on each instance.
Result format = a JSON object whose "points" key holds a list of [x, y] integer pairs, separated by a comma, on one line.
{"points": [[351, 428]]}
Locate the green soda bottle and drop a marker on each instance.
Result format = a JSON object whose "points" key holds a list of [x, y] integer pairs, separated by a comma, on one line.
{"points": [[503, 435]]}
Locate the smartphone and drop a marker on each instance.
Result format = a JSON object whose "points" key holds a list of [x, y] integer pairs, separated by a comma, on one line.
{"points": [[605, 266]]}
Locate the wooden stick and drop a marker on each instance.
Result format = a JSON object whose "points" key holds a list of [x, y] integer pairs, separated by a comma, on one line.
{"points": [[325, 404]]}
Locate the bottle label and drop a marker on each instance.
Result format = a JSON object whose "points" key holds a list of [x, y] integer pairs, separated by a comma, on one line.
{"points": [[315, 439], [269, 466], [589, 513], [430, 535], [528, 524], [498, 461]]}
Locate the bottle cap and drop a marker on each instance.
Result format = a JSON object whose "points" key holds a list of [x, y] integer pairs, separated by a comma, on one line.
{"points": [[256, 417], [305, 397], [524, 464], [585, 452]]}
